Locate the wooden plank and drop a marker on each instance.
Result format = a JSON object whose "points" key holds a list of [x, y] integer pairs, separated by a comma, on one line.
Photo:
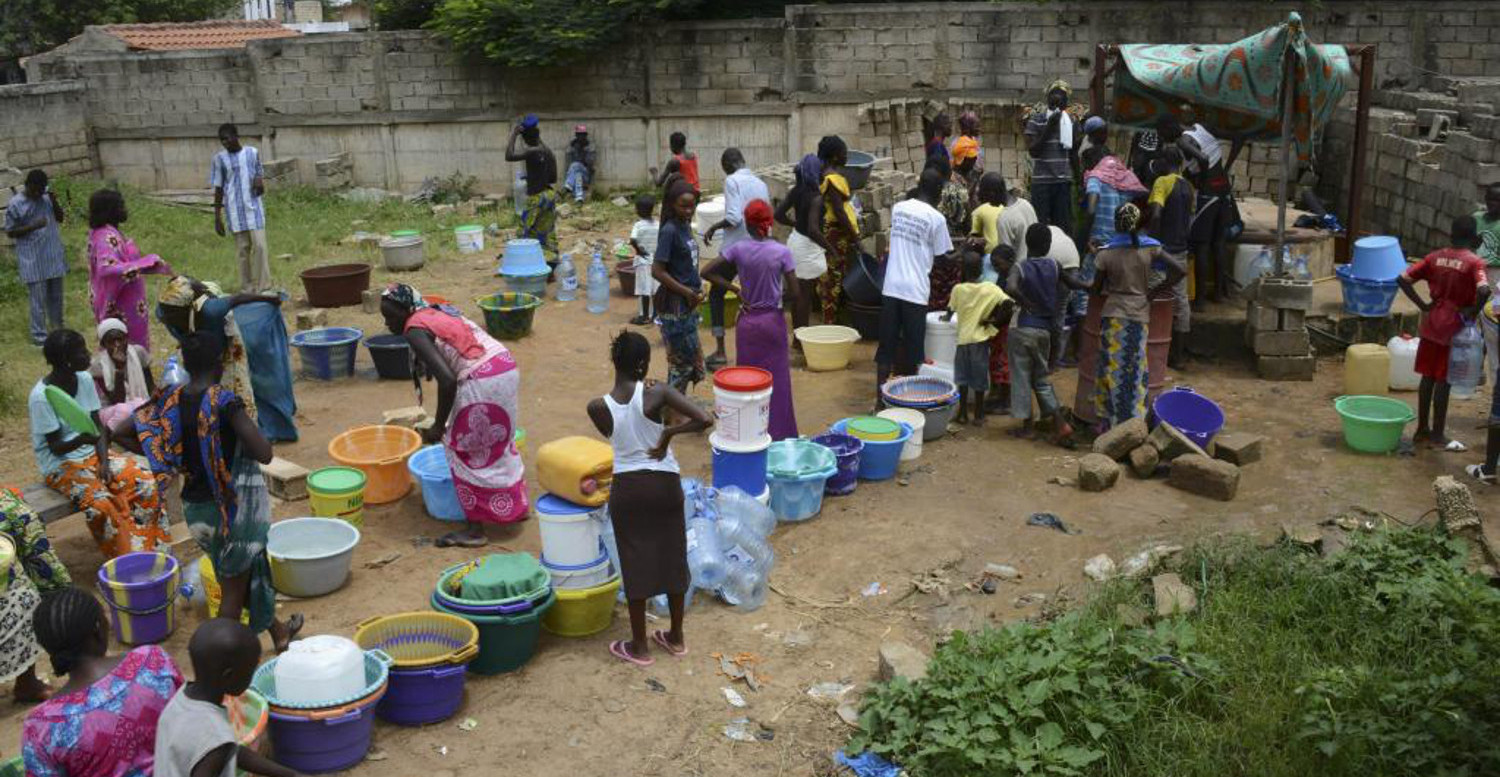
{"points": [[48, 504]]}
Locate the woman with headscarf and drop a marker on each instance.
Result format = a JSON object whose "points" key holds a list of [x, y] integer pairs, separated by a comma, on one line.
{"points": [[122, 372], [764, 268], [116, 266], [840, 224], [478, 408], [201, 430], [802, 210], [935, 133], [968, 155], [1123, 273], [257, 357], [35, 572]]}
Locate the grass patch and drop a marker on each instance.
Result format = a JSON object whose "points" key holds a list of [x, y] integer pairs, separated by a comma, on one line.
{"points": [[300, 221], [1379, 662]]}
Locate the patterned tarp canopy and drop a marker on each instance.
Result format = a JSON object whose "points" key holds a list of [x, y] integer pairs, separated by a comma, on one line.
{"points": [[1234, 89]]}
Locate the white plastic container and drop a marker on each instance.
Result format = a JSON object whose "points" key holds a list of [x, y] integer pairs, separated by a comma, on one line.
{"points": [[709, 213], [310, 556], [941, 342], [575, 576], [470, 238], [320, 669], [570, 532], [914, 418], [1404, 375], [742, 409]]}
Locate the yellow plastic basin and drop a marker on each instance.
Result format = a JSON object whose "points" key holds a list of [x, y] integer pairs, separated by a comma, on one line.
{"points": [[582, 612], [827, 347]]}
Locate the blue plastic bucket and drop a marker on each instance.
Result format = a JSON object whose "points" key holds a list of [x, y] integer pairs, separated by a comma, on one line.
{"points": [[328, 353], [846, 450], [746, 469], [522, 256], [1377, 258], [1196, 416], [879, 458], [429, 466], [1370, 299], [796, 472]]}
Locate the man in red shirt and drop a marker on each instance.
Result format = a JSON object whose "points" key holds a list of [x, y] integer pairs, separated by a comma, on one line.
{"points": [[1457, 286]]}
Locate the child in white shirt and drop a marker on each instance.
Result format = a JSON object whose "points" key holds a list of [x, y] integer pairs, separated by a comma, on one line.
{"points": [[643, 240]]}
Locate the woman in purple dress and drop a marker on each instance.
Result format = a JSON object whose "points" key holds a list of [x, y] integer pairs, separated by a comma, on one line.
{"points": [[765, 269]]}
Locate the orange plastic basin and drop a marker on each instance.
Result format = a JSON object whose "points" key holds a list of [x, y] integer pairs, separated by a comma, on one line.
{"points": [[381, 453]]}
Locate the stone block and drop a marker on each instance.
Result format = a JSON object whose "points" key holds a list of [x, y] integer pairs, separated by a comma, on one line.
{"points": [[898, 659], [1294, 343], [1171, 443], [408, 417], [1172, 596], [1119, 441], [1144, 460], [1201, 475], [1284, 293], [1283, 368], [286, 480], [369, 301], [1238, 448], [1260, 318], [1291, 320], [317, 318], [1097, 472]]}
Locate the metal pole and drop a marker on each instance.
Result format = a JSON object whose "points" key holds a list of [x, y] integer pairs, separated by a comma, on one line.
{"points": [[1096, 82], [1361, 141], [1287, 83]]}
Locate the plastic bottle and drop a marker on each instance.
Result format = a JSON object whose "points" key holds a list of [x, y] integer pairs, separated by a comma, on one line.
{"points": [[518, 194], [598, 285], [567, 279], [172, 374], [733, 501], [745, 587], [194, 596], [1404, 377], [705, 560], [1466, 360]]}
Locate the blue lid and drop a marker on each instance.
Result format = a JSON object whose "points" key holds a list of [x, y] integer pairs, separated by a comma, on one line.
{"points": [[552, 504]]}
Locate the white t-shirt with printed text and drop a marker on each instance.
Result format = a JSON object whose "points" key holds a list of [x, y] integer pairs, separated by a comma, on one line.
{"points": [[918, 233]]}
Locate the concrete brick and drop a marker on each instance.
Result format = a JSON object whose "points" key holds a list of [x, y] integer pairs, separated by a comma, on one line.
{"points": [[898, 659], [1238, 448], [1097, 472], [1284, 293], [1119, 441], [1286, 368], [1294, 343], [287, 481], [315, 318], [1204, 476]]}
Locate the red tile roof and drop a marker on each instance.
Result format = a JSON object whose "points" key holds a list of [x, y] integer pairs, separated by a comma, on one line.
{"points": [[223, 34]]}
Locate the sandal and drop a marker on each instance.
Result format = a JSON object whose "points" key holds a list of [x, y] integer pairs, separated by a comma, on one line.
{"points": [[675, 651], [455, 539], [1477, 472], [618, 650]]}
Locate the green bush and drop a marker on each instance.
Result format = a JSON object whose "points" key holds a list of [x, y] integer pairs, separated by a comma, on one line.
{"points": [[1380, 662]]}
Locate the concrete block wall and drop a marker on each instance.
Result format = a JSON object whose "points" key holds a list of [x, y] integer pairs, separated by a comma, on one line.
{"points": [[45, 125], [140, 93]]}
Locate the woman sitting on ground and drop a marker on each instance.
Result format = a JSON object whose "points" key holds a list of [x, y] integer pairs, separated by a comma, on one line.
{"points": [[765, 267], [35, 572], [122, 372], [201, 430], [257, 352], [120, 499], [102, 723], [478, 408]]}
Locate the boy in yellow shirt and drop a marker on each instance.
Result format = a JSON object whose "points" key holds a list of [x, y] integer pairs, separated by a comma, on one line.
{"points": [[981, 308]]}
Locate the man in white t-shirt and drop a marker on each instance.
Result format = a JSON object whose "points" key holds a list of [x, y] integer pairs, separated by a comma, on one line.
{"points": [[919, 234]]}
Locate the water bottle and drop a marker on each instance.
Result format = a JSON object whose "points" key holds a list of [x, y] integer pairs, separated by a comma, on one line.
{"points": [[745, 587], [567, 279], [1466, 360], [705, 561], [193, 595], [172, 374], [598, 285], [518, 194], [733, 501]]}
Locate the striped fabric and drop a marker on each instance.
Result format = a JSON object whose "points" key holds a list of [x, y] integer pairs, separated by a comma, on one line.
{"points": [[39, 254], [235, 172]]}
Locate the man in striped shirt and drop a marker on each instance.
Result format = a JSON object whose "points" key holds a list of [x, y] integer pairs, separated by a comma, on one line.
{"points": [[31, 220], [238, 182]]}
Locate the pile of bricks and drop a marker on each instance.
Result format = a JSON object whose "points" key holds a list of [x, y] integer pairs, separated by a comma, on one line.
{"points": [[887, 186], [1276, 329], [895, 127], [335, 172]]}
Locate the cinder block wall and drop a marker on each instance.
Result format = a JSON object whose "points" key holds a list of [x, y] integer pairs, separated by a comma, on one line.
{"points": [[45, 125]]}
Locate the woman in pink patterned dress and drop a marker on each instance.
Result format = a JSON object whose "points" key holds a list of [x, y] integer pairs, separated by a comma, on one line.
{"points": [[479, 390], [103, 722], [116, 267]]}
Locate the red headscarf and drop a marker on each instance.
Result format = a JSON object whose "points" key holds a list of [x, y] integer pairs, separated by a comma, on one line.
{"points": [[758, 217]]}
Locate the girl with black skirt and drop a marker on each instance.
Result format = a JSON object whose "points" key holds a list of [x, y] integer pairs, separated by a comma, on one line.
{"points": [[645, 499]]}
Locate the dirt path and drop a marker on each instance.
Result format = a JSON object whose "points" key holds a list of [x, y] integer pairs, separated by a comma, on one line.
{"points": [[575, 710]]}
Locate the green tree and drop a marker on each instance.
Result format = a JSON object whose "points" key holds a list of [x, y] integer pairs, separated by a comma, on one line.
{"points": [[543, 32], [32, 26]]}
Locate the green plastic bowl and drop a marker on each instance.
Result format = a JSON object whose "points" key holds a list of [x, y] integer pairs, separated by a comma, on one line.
{"points": [[1373, 424], [506, 642], [508, 315]]}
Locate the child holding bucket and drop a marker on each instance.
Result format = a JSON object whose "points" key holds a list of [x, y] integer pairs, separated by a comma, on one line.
{"points": [[981, 308], [194, 735], [645, 499]]}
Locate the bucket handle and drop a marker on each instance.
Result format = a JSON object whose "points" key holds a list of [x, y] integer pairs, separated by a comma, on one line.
{"points": [[381, 656], [465, 654], [1188, 389], [448, 671], [348, 717]]}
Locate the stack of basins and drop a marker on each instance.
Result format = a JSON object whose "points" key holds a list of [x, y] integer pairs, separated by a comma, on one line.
{"points": [[430, 653], [322, 694], [504, 595], [936, 397], [524, 267], [741, 436], [574, 555], [1369, 281]]}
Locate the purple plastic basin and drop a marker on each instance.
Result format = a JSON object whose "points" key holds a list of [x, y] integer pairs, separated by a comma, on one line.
{"points": [[318, 746], [417, 697], [846, 450]]}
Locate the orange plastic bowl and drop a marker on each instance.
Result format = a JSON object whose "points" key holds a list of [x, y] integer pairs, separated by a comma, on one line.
{"points": [[381, 453]]}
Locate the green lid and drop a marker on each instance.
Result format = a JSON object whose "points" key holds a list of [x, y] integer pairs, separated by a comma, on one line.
{"points": [[407, 233], [503, 576], [874, 427], [469, 228], [336, 480]]}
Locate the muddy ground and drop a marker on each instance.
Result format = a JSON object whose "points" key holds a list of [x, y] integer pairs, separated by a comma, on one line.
{"points": [[576, 710]]}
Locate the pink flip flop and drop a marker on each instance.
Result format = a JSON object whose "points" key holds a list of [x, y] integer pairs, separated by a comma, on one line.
{"points": [[617, 649], [660, 637]]}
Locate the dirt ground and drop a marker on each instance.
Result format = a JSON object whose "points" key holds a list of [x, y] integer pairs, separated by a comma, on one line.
{"points": [[576, 710]]}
